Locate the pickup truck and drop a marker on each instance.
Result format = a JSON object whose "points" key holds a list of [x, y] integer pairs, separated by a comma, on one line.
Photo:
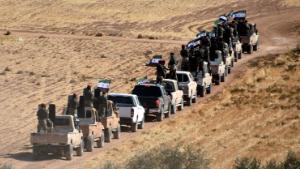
{"points": [[218, 68], [188, 86], [176, 95], [250, 40], [92, 129], [132, 113], [154, 99], [62, 140], [237, 48], [204, 81]]}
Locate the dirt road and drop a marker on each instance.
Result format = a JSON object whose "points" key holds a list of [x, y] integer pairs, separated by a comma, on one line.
{"points": [[277, 32]]}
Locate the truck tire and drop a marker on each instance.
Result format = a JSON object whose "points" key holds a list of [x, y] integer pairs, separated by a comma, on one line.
{"points": [[236, 55], [189, 101], [250, 49], [232, 64], [201, 91], [255, 47], [117, 132], [141, 125], [173, 109], [35, 153], [107, 135], [208, 90], [218, 80], [100, 142], [89, 143], [223, 78], [134, 127], [69, 152], [229, 71], [240, 55], [168, 114], [181, 105], [160, 116], [79, 150], [194, 100]]}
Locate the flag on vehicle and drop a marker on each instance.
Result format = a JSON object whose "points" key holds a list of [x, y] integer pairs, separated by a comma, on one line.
{"points": [[104, 84]]}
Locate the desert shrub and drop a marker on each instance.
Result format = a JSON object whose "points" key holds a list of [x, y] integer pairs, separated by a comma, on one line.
{"points": [[166, 158], [6, 166], [291, 162], [140, 36]]}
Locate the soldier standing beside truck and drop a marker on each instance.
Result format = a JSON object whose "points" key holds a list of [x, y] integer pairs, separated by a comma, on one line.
{"points": [[43, 119], [172, 67]]}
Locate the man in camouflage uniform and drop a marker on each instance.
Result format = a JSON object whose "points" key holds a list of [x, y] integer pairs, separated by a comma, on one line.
{"points": [[72, 105], [43, 116], [88, 96], [160, 72], [172, 67], [102, 105]]}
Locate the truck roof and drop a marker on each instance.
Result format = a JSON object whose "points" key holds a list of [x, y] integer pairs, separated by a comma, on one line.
{"points": [[182, 72], [121, 94], [170, 80]]}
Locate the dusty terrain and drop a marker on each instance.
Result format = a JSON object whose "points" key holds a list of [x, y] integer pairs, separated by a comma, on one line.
{"points": [[48, 56]]}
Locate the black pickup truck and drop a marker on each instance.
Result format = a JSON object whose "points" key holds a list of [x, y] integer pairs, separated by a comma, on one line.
{"points": [[154, 99]]}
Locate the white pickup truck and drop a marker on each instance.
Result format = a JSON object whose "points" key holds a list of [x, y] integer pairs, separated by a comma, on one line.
{"points": [[172, 89], [131, 111], [188, 85]]}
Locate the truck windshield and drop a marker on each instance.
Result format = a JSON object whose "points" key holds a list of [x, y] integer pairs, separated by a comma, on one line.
{"points": [[147, 91], [61, 122], [182, 78], [121, 100], [169, 86]]}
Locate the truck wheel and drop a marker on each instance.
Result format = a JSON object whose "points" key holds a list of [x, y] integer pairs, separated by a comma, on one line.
{"points": [[208, 90], [194, 100], [35, 153], [79, 150], [100, 142], [250, 49], [160, 116], [181, 105], [173, 109], [232, 63], [167, 115], [134, 127], [229, 70], [223, 78], [255, 47], [90, 143], [141, 124], [117, 132], [240, 55], [218, 80], [107, 135], [202, 91], [69, 152], [236, 56], [189, 101]]}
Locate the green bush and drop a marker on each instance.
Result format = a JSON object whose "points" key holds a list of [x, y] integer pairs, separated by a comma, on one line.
{"points": [[291, 162]]}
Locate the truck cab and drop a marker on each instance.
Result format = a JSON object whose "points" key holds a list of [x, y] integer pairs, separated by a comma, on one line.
{"points": [[131, 111], [92, 128], [154, 99], [188, 85], [62, 140], [175, 94]]}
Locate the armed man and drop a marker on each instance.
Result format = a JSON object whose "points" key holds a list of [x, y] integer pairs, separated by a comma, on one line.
{"points": [[88, 96], [43, 119], [102, 100], [160, 71], [172, 67], [73, 104]]}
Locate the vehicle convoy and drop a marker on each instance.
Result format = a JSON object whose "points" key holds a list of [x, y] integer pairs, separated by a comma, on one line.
{"points": [[218, 68], [154, 99], [62, 140], [92, 128], [204, 81], [172, 89], [188, 86], [132, 113]]}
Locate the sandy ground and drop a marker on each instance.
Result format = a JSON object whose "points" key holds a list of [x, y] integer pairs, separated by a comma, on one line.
{"points": [[35, 69]]}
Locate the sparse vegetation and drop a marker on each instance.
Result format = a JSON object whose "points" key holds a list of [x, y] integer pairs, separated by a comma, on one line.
{"points": [[291, 162], [6, 166], [166, 158]]}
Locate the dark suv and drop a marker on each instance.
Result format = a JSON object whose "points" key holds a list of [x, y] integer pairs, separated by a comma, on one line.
{"points": [[154, 99]]}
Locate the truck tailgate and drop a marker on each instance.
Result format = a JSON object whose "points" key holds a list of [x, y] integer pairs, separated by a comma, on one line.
{"points": [[125, 111], [49, 138], [148, 102]]}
